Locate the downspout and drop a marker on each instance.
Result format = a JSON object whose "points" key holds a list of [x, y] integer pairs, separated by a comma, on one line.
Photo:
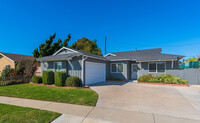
{"points": [[83, 69]]}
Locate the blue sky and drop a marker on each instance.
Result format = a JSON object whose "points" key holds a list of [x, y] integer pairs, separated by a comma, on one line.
{"points": [[173, 25]]}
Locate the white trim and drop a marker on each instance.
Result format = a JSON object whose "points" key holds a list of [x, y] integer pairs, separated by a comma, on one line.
{"points": [[7, 57], [110, 54], [156, 67], [119, 59], [83, 70], [71, 65], [116, 68], [66, 49], [172, 64], [157, 60]]}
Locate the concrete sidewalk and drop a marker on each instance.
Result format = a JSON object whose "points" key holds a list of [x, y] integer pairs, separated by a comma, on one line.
{"points": [[86, 114]]}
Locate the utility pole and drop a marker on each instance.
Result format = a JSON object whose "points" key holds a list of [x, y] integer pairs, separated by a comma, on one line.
{"points": [[105, 45]]}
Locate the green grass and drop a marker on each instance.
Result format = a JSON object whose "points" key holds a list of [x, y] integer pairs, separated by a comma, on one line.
{"points": [[16, 114], [39, 92]]}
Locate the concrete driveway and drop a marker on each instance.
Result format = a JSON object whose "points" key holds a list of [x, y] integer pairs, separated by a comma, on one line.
{"points": [[163, 102]]}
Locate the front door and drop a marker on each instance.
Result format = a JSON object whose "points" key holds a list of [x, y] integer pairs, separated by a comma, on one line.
{"points": [[134, 69]]}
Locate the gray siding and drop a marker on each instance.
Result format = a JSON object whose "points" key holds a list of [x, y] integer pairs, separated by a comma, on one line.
{"points": [[124, 75], [76, 70], [145, 68], [142, 69]]}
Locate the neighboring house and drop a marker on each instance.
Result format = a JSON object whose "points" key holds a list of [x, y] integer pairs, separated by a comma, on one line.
{"points": [[10, 60], [124, 65]]}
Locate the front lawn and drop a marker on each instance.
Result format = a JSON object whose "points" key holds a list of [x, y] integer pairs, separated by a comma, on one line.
{"points": [[16, 114], [39, 92]]}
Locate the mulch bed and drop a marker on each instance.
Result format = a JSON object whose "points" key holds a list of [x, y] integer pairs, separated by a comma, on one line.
{"points": [[162, 84], [59, 87]]}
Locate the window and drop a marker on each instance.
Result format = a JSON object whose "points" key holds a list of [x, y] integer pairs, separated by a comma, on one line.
{"points": [[157, 67], [58, 66], [152, 67], [7, 66], [161, 67], [117, 68]]}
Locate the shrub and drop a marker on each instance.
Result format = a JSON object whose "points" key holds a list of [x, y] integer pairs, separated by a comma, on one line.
{"points": [[47, 77], [73, 81], [6, 72], [36, 79], [165, 78], [145, 78], [60, 78]]}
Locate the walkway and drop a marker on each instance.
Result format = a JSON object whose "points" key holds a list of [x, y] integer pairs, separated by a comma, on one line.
{"points": [[86, 114]]}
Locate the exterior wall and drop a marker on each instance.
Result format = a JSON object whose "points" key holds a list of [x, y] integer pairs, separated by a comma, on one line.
{"points": [[74, 70], [5, 61], [124, 75], [142, 69], [145, 68]]}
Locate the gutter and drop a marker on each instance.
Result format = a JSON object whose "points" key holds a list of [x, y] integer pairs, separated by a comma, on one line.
{"points": [[83, 69]]}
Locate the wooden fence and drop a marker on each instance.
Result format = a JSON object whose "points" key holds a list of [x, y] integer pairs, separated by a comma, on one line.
{"points": [[14, 80]]}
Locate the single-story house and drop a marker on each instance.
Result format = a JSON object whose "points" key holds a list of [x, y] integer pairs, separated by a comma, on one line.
{"points": [[10, 60], [126, 65]]}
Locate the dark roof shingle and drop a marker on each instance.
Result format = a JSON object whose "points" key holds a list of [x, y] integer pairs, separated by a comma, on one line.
{"points": [[143, 55], [18, 57]]}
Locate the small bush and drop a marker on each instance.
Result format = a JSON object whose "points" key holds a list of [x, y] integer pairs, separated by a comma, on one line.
{"points": [[73, 81], [60, 78], [36, 79], [165, 78], [6, 72], [48, 77]]}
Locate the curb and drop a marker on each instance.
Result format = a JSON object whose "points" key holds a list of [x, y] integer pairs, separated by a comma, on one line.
{"points": [[163, 84]]}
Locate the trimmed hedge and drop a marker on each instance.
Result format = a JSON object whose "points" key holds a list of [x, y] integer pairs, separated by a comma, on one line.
{"points": [[48, 77], [73, 81], [60, 78], [36, 79], [165, 78]]}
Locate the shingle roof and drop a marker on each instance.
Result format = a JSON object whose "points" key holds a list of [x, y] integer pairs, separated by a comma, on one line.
{"points": [[143, 55], [65, 56], [137, 55], [58, 57], [17, 57]]}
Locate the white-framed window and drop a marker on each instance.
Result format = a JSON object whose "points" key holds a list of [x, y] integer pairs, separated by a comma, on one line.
{"points": [[58, 66], [117, 67], [157, 67]]}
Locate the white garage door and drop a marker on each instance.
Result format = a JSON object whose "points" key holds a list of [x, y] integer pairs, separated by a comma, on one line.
{"points": [[95, 72]]}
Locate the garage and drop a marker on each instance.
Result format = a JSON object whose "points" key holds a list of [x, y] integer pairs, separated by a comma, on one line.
{"points": [[95, 72]]}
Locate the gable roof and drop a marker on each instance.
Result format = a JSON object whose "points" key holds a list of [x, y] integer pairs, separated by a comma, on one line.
{"points": [[17, 57], [143, 55], [75, 52]]}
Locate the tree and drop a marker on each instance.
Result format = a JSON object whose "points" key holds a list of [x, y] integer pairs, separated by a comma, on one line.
{"points": [[86, 45], [83, 44], [191, 59], [48, 48], [26, 67]]}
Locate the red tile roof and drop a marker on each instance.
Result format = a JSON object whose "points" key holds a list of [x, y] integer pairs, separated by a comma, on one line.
{"points": [[17, 57]]}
